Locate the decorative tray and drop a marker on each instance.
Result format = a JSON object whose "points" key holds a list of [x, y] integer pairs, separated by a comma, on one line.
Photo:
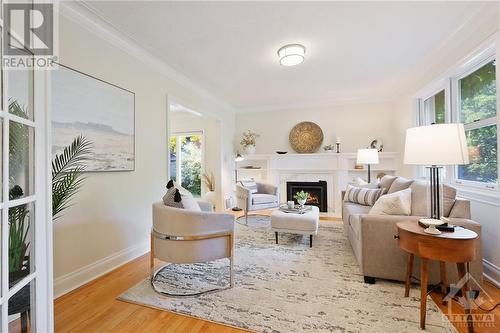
{"points": [[296, 210]]}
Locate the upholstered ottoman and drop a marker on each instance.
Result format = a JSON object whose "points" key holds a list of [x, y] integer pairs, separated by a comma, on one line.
{"points": [[304, 224]]}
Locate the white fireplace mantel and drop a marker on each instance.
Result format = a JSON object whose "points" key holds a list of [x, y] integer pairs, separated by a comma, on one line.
{"points": [[336, 169]]}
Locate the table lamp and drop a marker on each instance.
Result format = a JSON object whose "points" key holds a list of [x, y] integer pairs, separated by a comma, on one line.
{"points": [[435, 146], [369, 157]]}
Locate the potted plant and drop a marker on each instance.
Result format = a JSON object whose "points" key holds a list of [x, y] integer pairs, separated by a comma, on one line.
{"points": [[301, 197], [19, 226], [18, 216], [249, 141], [67, 173], [209, 181], [329, 148]]}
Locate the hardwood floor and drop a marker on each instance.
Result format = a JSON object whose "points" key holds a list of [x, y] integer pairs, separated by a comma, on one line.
{"points": [[94, 307]]}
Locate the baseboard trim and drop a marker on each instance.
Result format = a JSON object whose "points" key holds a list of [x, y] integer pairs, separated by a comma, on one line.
{"points": [[491, 273], [68, 282]]}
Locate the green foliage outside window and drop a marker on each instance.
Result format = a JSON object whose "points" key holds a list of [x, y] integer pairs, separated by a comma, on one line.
{"points": [[190, 160], [439, 107], [478, 102], [191, 164]]}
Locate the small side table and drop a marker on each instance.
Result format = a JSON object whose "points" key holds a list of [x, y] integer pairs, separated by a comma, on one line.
{"points": [[456, 247]]}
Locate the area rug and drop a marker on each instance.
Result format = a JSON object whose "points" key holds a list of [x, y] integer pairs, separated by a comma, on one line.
{"points": [[290, 287]]}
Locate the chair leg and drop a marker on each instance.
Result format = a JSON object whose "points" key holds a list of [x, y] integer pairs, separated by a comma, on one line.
{"points": [[231, 261], [310, 240], [246, 216], [151, 257], [276, 234], [231, 272]]}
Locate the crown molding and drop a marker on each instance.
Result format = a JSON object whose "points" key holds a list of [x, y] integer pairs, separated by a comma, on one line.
{"points": [[83, 15], [483, 22]]}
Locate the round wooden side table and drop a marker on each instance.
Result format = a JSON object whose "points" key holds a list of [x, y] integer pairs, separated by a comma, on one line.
{"points": [[455, 247]]}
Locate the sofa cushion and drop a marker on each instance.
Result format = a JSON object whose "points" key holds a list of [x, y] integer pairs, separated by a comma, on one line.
{"points": [[449, 198], [420, 198], [399, 184], [260, 198], [355, 209], [386, 182], [397, 203]]}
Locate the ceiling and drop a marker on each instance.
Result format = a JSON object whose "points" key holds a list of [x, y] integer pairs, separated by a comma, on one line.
{"points": [[356, 51]]}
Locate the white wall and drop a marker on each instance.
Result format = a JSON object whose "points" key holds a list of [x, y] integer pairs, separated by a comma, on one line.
{"points": [[111, 219], [481, 30], [356, 124], [211, 127]]}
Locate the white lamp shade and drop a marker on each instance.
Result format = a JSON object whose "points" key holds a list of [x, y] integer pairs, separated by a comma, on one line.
{"points": [[367, 156], [440, 144]]}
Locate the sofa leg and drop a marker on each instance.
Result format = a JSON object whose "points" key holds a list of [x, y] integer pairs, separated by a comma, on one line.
{"points": [[369, 280]]}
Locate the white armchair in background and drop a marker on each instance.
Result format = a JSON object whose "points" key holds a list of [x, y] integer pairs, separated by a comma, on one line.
{"points": [[181, 236], [267, 196]]}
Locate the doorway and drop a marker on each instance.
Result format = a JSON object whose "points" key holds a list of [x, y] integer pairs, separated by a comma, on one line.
{"points": [[186, 160]]}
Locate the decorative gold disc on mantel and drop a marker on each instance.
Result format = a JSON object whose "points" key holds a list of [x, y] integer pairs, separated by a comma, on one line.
{"points": [[306, 137]]}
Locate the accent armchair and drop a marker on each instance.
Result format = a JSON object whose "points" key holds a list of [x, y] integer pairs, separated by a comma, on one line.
{"points": [[267, 196], [181, 236]]}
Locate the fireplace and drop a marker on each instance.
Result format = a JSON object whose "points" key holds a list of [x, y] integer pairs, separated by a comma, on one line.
{"points": [[317, 193]]}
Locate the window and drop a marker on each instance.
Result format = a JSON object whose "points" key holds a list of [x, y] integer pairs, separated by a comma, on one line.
{"points": [[477, 96], [185, 151], [434, 109]]}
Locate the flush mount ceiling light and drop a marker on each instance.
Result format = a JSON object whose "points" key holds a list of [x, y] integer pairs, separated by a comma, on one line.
{"points": [[291, 54]]}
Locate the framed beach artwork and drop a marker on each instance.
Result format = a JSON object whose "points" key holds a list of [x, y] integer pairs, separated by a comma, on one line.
{"points": [[98, 110]]}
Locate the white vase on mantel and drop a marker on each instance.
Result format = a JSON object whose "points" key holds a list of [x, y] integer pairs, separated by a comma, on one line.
{"points": [[249, 150]]}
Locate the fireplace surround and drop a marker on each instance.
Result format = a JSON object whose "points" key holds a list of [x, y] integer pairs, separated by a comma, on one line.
{"points": [[317, 193]]}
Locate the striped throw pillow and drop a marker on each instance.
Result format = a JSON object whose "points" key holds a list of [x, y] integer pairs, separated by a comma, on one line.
{"points": [[250, 185], [362, 196]]}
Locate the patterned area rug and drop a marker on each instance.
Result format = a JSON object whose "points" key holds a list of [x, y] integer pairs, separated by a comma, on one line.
{"points": [[291, 288]]}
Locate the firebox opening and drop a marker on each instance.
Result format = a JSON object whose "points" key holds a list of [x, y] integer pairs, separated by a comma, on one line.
{"points": [[317, 193]]}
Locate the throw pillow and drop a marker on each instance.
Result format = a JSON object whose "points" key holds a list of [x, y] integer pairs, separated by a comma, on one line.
{"points": [[397, 203], [362, 196], [178, 199], [190, 203], [250, 185], [173, 198], [386, 182], [449, 197], [399, 184]]}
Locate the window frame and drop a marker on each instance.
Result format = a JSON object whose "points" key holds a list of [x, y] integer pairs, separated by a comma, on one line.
{"points": [[420, 116], [480, 60]]}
